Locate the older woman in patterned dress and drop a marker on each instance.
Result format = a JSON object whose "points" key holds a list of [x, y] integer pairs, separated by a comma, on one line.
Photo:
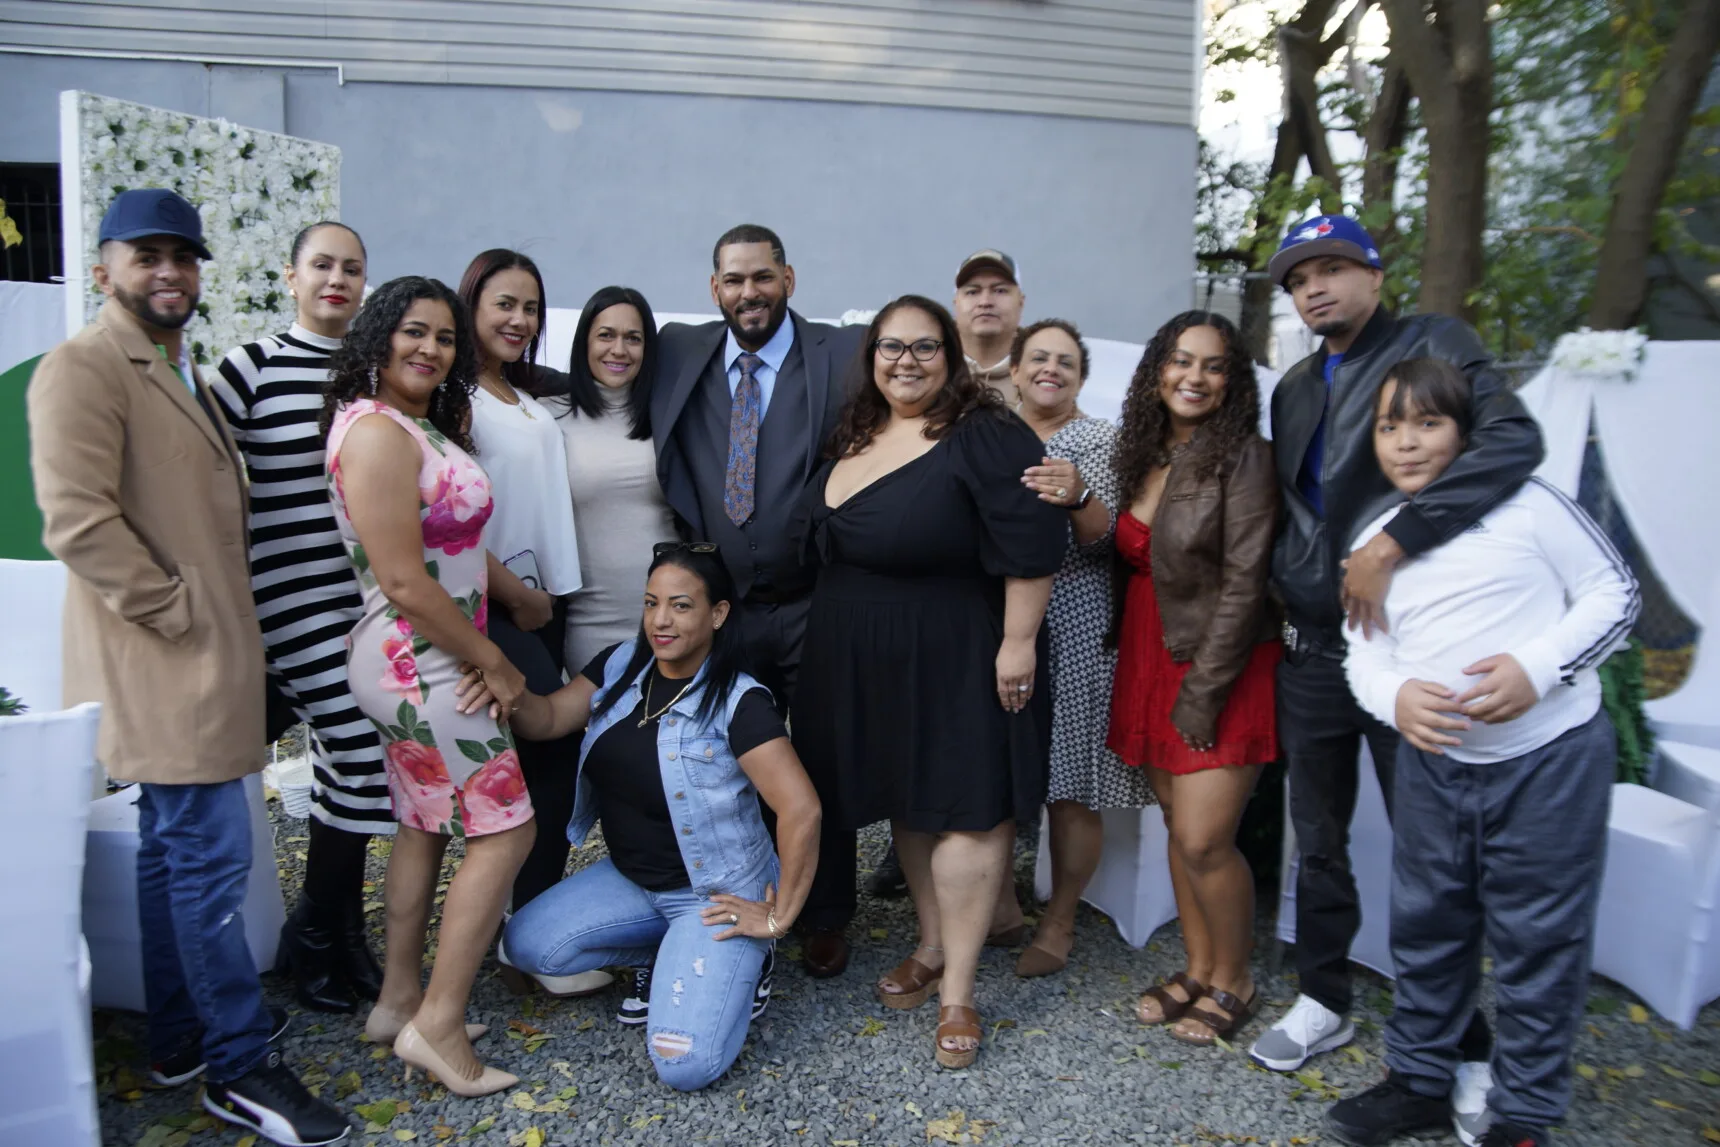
{"points": [[1049, 365]]}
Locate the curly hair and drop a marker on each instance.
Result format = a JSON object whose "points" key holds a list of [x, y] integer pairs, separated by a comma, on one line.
{"points": [[1018, 346], [369, 345], [866, 412], [1144, 441]]}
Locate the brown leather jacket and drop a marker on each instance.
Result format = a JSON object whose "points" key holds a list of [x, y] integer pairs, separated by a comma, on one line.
{"points": [[1212, 553]]}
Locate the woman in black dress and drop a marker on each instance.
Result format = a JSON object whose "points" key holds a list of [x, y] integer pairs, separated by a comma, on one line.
{"points": [[918, 677]]}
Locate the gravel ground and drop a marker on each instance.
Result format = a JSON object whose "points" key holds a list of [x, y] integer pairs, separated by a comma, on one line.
{"points": [[1064, 1062]]}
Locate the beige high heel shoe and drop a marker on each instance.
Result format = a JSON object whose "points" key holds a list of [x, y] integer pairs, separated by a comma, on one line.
{"points": [[415, 1051], [384, 1027]]}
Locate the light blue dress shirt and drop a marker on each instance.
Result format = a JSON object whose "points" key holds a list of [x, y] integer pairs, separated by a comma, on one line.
{"points": [[773, 353]]}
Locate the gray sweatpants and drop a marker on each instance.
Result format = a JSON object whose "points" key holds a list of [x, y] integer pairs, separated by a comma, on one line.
{"points": [[1511, 852]]}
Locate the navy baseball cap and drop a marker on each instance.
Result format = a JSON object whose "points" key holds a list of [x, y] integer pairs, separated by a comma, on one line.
{"points": [[149, 211], [1323, 235]]}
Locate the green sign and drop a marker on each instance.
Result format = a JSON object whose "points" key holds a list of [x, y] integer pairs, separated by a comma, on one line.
{"points": [[20, 521]]}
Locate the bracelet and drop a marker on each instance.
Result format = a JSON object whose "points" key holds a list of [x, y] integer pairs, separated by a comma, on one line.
{"points": [[1086, 496], [770, 924]]}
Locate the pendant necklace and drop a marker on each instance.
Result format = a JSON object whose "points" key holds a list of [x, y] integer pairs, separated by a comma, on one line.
{"points": [[649, 715]]}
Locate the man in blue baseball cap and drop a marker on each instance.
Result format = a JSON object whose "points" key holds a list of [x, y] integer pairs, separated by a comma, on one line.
{"points": [[143, 498], [1332, 485]]}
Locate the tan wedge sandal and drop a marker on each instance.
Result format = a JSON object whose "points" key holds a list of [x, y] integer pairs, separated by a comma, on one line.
{"points": [[910, 984], [958, 1022]]}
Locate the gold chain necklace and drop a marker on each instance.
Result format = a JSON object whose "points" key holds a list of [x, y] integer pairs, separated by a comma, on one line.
{"points": [[649, 715], [518, 403]]}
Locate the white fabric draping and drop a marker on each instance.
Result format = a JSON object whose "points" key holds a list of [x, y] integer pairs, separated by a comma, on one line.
{"points": [[32, 320], [47, 1085], [1656, 440]]}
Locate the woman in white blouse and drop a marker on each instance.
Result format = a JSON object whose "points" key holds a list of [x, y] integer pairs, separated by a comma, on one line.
{"points": [[534, 552], [611, 467]]}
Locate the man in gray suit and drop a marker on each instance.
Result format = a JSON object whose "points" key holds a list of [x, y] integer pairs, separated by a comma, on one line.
{"points": [[740, 415]]}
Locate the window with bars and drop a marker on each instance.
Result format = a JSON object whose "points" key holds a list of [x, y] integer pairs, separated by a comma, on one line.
{"points": [[31, 192]]}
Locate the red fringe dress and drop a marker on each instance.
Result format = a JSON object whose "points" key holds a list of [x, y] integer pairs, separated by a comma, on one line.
{"points": [[1147, 681]]}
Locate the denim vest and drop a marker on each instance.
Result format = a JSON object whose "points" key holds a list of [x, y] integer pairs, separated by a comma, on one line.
{"points": [[712, 804]]}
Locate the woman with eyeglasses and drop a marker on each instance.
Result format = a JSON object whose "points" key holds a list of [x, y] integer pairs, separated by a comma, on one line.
{"points": [[923, 644], [680, 745]]}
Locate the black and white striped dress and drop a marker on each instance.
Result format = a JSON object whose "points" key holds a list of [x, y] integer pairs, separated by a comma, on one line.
{"points": [[307, 596]]}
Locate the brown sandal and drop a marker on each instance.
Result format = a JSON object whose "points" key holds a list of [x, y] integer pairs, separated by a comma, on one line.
{"points": [[1218, 1024], [1171, 1009], [958, 1022], [913, 981]]}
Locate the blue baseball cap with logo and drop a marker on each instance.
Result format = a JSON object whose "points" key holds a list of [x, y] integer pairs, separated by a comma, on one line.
{"points": [[1323, 235], [146, 211]]}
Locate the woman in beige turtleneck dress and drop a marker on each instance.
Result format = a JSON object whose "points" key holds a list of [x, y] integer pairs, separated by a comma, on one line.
{"points": [[619, 511]]}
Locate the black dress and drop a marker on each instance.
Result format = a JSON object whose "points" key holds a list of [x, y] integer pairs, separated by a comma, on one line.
{"points": [[897, 714]]}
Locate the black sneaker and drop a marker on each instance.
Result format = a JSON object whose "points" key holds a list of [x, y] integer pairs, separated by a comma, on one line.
{"points": [[1385, 1111], [887, 881], [761, 994], [270, 1100], [636, 1008], [187, 1063], [1502, 1134]]}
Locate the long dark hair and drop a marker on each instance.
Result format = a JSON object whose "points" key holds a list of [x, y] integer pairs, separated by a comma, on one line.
{"points": [[584, 393], [866, 411], [724, 662], [369, 345], [522, 374], [1145, 438]]}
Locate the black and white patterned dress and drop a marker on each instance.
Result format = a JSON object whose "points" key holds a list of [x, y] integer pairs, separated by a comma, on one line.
{"points": [[307, 597], [1082, 768]]}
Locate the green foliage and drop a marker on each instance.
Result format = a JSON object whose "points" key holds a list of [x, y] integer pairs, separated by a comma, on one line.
{"points": [[11, 706], [1622, 696]]}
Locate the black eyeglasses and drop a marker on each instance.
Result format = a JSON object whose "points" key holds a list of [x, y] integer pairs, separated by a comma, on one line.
{"points": [[662, 548], [923, 350]]}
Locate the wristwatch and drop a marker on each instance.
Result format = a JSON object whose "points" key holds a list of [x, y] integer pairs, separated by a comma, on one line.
{"points": [[1086, 496]]}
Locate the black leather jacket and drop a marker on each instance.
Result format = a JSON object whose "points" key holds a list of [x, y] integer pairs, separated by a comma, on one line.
{"points": [[1504, 448]]}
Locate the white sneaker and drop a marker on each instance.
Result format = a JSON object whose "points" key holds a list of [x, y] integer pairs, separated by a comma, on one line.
{"points": [[1469, 1113], [1306, 1030], [580, 984]]}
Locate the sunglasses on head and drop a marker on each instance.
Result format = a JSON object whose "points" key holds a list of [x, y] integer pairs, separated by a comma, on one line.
{"points": [[662, 548]]}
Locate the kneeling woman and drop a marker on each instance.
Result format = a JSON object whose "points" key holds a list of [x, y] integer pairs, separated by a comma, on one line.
{"points": [[679, 748]]}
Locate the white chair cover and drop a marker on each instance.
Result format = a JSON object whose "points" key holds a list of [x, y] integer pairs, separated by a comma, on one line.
{"points": [[47, 1083], [110, 896], [35, 595], [1133, 882], [1370, 860], [1655, 932], [1691, 773]]}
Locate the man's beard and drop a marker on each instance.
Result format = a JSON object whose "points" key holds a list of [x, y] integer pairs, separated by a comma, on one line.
{"points": [[778, 312], [1332, 327], [139, 305]]}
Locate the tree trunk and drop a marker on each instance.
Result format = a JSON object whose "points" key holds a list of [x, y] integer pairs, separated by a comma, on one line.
{"points": [[1621, 275], [1449, 61], [1384, 136]]}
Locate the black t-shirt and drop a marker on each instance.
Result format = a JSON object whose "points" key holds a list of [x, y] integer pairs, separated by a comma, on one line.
{"points": [[628, 784]]}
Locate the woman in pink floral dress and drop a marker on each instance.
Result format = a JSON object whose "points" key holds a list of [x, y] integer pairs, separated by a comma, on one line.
{"points": [[411, 504]]}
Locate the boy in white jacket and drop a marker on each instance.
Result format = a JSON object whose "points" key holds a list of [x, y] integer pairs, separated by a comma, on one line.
{"points": [[1504, 776]]}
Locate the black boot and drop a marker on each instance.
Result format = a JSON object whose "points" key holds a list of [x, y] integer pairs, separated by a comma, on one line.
{"points": [[313, 945], [358, 964], [887, 881]]}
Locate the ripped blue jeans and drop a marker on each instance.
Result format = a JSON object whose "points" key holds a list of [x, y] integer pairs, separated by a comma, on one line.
{"points": [[701, 987]]}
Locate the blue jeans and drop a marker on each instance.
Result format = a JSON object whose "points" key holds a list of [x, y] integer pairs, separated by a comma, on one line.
{"points": [[193, 862], [701, 987]]}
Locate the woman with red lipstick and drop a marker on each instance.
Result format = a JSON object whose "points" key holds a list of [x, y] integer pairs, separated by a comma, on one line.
{"points": [[413, 508], [1192, 700], [271, 392], [534, 555]]}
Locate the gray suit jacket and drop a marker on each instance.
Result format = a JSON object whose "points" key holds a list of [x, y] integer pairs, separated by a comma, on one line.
{"points": [[829, 355]]}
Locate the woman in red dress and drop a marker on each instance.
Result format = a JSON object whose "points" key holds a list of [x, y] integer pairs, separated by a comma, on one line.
{"points": [[1192, 699]]}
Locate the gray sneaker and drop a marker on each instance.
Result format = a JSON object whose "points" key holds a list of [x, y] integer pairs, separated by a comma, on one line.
{"points": [[1469, 1114], [1306, 1030]]}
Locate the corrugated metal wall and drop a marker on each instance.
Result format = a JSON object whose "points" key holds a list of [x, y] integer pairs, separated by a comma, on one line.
{"points": [[1110, 59]]}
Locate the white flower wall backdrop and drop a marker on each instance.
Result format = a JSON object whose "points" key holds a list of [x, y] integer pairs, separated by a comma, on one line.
{"points": [[254, 189]]}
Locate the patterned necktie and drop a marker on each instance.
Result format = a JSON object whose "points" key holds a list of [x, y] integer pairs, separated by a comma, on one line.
{"points": [[744, 415]]}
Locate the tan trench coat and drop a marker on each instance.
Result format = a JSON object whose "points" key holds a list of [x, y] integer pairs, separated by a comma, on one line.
{"points": [[143, 497]]}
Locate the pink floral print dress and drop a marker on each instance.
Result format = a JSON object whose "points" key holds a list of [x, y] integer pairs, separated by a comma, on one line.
{"points": [[448, 773]]}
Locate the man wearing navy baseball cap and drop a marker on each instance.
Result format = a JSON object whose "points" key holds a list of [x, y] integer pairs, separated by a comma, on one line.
{"points": [[143, 498], [1332, 485]]}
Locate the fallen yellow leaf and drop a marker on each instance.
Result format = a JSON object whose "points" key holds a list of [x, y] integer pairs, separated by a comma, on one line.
{"points": [[1587, 1072], [1638, 1014], [1667, 1104]]}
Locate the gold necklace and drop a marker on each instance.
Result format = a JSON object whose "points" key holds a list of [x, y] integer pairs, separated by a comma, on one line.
{"points": [[649, 715], [518, 403]]}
